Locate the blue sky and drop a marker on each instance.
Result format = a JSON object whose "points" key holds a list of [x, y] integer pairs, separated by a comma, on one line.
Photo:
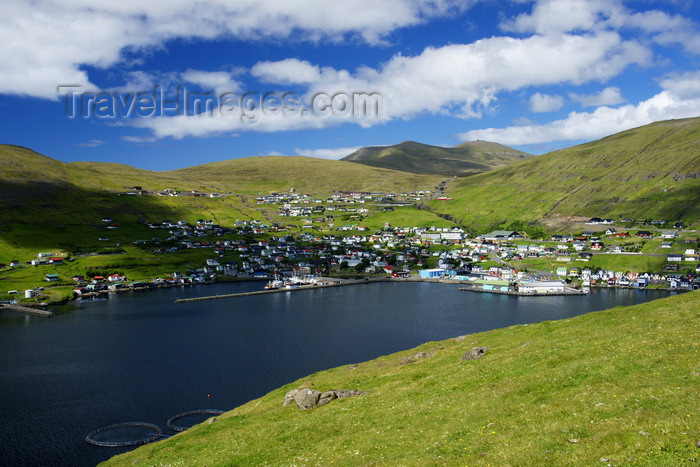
{"points": [[290, 78]]}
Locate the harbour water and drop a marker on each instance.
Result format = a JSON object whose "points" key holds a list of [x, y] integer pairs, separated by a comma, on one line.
{"points": [[139, 357]]}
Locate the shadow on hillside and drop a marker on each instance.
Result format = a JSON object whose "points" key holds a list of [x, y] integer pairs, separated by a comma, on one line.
{"points": [[49, 216]]}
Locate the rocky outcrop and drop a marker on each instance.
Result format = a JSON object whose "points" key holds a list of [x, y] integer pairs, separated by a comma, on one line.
{"points": [[416, 357], [475, 353], [307, 399]]}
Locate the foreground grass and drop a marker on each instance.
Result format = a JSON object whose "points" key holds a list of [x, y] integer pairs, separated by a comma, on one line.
{"points": [[608, 388]]}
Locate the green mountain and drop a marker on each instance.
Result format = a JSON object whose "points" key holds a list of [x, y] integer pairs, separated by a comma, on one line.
{"points": [[645, 173], [23, 169], [613, 387], [46, 204], [649, 172], [465, 159]]}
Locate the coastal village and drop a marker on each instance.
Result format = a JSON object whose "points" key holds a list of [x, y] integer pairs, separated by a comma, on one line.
{"points": [[315, 249]]}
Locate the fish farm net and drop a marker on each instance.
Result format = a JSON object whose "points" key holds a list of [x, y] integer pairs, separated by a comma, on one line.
{"points": [[125, 434], [185, 420]]}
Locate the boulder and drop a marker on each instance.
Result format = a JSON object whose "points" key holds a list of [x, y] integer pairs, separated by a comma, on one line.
{"points": [[326, 397], [475, 353], [307, 399]]}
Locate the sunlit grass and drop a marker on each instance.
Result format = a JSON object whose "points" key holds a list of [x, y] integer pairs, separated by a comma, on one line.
{"points": [[619, 385]]}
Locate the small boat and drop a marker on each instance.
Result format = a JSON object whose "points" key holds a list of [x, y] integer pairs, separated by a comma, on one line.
{"points": [[273, 285]]}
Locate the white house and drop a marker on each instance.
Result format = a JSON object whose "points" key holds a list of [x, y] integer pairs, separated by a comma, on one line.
{"points": [[543, 287]]}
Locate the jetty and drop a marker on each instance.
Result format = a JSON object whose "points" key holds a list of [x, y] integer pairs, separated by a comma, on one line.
{"points": [[296, 288], [26, 310], [517, 293]]}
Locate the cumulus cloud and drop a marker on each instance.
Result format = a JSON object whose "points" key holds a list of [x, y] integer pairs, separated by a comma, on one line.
{"points": [[460, 79], [608, 96], [592, 125], [540, 103], [48, 42], [566, 16], [561, 16], [684, 85], [218, 124], [288, 71], [334, 153], [220, 82]]}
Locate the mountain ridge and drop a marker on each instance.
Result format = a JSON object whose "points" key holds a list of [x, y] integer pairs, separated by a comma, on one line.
{"points": [[462, 160], [645, 172]]}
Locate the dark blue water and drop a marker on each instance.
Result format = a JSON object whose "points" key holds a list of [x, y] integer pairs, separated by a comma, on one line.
{"points": [[140, 357]]}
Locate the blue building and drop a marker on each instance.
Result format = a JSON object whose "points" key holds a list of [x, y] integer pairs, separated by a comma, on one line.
{"points": [[431, 273]]}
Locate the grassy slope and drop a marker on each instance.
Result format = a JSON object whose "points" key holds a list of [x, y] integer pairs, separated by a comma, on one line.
{"points": [[617, 386], [647, 172], [23, 167], [465, 159], [304, 174], [46, 205]]}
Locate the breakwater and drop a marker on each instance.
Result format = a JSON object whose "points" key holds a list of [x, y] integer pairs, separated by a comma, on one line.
{"points": [[26, 310], [344, 282], [515, 293]]}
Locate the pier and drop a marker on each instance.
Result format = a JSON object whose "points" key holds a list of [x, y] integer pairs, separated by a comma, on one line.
{"points": [[515, 293], [282, 290], [26, 310]]}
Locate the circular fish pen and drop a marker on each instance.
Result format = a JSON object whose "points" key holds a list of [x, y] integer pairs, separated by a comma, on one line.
{"points": [[125, 434], [189, 419]]}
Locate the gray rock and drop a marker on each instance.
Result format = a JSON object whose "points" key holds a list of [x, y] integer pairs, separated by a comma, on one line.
{"points": [[289, 397], [307, 399], [349, 393], [326, 397], [475, 353]]}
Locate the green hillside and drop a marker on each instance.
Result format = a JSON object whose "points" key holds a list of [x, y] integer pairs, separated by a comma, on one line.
{"points": [[644, 173], [49, 205], [465, 159], [608, 388], [305, 174], [22, 169]]}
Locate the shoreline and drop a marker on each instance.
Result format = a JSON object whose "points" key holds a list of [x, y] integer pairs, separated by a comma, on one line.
{"points": [[567, 292], [40, 309]]}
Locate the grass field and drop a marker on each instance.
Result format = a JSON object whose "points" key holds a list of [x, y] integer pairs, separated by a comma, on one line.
{"points": [[615, 387], [645, 173]]}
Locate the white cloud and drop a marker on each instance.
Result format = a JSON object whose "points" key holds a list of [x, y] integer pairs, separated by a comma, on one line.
{"points": [[93, 143], [204, 125], [608, 96], [220, 82], [139, 139], [288, 71], [461, 80], [684, 85], [561, 16], [566, 16], [45, 43], [592, 125], [540, 103], [334, 153]]}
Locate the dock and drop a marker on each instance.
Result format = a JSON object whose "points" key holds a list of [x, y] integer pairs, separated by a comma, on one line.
{"points": [[281, 290], [26, 310], [515, 293]]}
